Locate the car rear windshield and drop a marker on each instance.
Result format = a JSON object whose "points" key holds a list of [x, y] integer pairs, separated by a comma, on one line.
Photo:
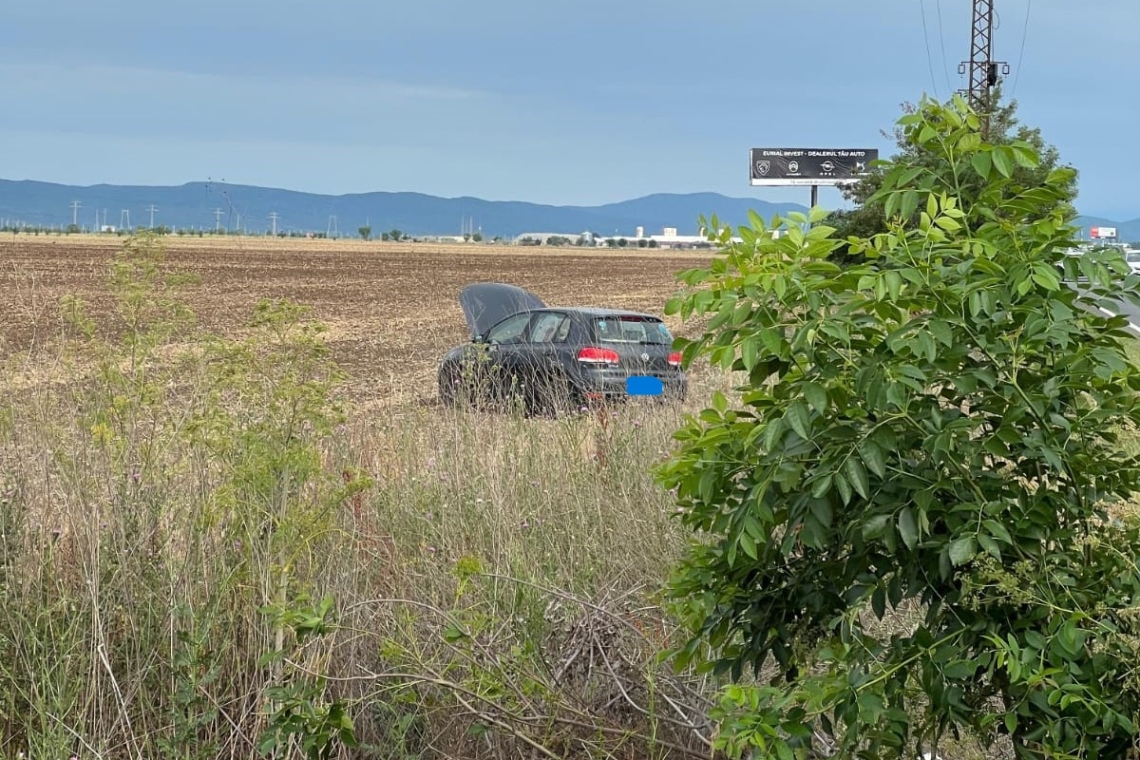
{"points": [[632, 329]]}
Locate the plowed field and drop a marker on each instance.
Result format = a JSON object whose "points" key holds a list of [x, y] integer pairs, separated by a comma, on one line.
{"points": [[391, 308]]}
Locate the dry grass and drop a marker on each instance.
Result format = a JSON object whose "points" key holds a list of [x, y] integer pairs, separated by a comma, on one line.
{"points": [[494, 575]]}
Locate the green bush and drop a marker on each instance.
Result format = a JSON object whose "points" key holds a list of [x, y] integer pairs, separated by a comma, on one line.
{"points": [[906, 522]]}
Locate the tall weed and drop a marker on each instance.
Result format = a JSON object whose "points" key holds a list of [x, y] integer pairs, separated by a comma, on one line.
{"points": [[205, 552]]}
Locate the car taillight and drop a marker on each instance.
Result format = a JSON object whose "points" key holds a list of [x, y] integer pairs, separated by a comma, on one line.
{"points": [[594, 355], [675, 359]]}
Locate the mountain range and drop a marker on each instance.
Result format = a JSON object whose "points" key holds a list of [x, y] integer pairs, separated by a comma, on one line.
{"points": [[208, 205]]}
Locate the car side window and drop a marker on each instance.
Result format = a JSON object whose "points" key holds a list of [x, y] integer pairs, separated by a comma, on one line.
{"points": [[549, 327], [510, 330]]}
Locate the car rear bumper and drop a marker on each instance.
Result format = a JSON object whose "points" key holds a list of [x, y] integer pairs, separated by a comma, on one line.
{"points": [[611, 384]]}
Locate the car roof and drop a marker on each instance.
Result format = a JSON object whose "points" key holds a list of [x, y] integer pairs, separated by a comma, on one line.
{"points": [[600, 312]]}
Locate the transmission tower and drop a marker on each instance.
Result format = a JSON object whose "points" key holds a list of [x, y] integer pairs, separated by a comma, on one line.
{"points": [[218, 220], [332, 230], [982, 67], [75, 213], [152, 208], [274, 216]]}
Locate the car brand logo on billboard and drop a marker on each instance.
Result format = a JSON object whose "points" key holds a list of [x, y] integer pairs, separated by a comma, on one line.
{"points": [[810, 166]]}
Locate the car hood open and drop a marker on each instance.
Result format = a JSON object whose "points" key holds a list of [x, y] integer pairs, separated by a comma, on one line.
{"points": [[485, 304]]}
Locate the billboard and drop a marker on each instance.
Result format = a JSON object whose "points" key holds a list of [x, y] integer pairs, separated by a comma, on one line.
{"points": [[810, 166], [1101, 233]]}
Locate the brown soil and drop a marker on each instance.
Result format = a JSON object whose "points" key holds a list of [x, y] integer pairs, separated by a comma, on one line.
{"points": [[390, 308]]}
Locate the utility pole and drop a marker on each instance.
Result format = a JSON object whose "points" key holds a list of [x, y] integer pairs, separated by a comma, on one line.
{"points": [[75, 213], [152, 208], [982, 67], [274, 216]]}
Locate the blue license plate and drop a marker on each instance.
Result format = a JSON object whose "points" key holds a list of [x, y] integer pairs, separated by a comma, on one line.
{"points": [[642, 385]]}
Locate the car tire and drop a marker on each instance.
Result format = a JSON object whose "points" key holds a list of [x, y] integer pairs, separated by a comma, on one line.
{"points": [[556, 396]]}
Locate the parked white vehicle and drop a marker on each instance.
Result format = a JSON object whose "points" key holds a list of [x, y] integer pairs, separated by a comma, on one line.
{"points": [[1132, 256]]}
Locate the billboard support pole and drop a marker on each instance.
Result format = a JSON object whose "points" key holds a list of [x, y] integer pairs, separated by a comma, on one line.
{"points": [[814, 201]]}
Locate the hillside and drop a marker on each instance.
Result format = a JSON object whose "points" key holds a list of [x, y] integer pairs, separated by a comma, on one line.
{"points": [[194, 205]]}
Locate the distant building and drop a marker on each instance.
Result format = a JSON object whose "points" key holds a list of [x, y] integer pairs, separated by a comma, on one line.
{"points": [[543, 238], [668, 239]]}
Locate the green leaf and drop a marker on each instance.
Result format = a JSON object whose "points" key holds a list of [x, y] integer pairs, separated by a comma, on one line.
{"points": [[1003, 160], [821, 486], [948, 224], [962, 550], [773, 432], [942, 332], [453, 634], [879, 602], [873, 457], [982, 163], [857, 474], [748, 352], [748, 544], [816, 396], [970, 141], [800, 419], [874, 527], [909, 204], [821, 509], [844, 488], [908, 528], [961, 669]]}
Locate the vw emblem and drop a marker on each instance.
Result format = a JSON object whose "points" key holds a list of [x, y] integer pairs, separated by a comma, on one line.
{"points": [[762, 168], [645, 357]]}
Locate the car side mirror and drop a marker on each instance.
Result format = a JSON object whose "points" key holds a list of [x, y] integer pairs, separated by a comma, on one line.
{"points": [[480, 338]]}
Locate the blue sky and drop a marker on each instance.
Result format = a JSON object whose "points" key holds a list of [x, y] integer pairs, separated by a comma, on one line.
{"points": [[559, 102]]}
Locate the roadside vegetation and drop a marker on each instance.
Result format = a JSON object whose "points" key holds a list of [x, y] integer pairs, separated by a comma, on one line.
{"points": [[902, 524], [919, 517], [207, 553]]}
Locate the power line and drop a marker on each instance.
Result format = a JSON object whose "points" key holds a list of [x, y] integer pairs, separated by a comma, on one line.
{"points": [[942, 43], [1021, 54], [929, 56]]}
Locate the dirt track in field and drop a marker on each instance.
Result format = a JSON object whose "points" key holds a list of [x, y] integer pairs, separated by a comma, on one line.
{"points": [[391, 308]]}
